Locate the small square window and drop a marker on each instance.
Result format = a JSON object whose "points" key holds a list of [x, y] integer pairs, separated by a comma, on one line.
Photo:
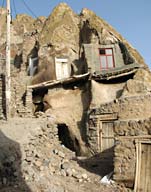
{"points": [[102, 51]]}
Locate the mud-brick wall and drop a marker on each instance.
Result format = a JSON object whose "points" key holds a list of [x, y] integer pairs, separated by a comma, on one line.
{"points": [[126, 132], [134, 107], [134, 121], [132, 127], [21, 97], [125, 162], [93, 135]]}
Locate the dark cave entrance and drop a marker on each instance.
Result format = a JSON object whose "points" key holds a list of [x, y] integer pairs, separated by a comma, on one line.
{"points": [[65, 137], [37, 97]]}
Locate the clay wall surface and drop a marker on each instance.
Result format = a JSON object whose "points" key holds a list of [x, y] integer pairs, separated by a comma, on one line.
{"points": [[105, 93], [69, 106]]}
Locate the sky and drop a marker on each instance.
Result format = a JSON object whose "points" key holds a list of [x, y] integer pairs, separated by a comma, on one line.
{"points": [[131, 18]]}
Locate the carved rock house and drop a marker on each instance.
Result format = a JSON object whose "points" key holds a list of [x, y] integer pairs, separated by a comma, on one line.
{"points": [[104, 72]]}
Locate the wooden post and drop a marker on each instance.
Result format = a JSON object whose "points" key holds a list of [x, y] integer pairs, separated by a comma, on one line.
{"points": [[7, 77]]}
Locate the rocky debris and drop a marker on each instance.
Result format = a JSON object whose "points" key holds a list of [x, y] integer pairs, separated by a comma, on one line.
{"points": [[43, 163]]}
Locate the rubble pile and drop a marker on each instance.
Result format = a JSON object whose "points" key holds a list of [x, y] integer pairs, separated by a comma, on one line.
{"points": [[43, 163]]}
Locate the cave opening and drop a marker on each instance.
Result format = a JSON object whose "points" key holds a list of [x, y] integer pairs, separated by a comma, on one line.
{"points": [[65, 137], [37, 97]]}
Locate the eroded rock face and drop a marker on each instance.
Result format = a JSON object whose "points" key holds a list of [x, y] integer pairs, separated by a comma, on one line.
{"points": [[61, 34], [61, 29], [69, 107], [64, 33], [139, 85], [105, 33], [3, 28]]}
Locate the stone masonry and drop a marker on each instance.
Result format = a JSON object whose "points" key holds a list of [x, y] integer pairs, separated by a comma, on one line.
{"points": [[132, 123]]}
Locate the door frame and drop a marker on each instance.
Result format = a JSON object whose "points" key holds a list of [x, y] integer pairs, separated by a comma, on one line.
{"points": [[101, 131], [138, 160]]}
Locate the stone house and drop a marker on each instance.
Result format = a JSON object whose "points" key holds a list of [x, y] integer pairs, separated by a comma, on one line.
{"points": [[119, 123], [109, 61]]}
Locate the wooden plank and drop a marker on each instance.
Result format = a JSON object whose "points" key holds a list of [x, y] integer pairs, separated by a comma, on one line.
{"points": [[106, 117], [148, 168], [137, 166], [107, 136], [136, 137], [122, 74], [100, 135], [143, 167]]}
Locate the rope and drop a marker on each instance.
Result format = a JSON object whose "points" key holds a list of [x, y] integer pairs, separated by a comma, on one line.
{"points": [[14, 6], [29, 9]]}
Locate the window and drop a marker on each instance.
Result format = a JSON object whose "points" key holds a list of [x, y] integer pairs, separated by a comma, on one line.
{"points": [[106, 58], [62, 68]]}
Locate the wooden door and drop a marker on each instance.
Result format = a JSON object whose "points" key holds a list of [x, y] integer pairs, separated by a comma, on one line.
{"points": [[107, 140], [143, 173]]}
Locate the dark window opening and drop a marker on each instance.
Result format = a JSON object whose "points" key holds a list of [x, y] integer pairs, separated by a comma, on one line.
{"points": [[65, 137], [33, 60], [102, 51], [106, 58]]}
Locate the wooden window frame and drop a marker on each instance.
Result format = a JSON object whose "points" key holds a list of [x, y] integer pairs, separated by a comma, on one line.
{"points": [[106, 56]]}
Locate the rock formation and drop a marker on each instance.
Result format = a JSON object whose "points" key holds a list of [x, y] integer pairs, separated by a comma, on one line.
{"points": [[79, 103]]}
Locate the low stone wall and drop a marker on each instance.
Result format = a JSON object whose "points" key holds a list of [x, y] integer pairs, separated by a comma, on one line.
{"points": [[93, 135], [132, 127], [25, 108], [21, 97]]}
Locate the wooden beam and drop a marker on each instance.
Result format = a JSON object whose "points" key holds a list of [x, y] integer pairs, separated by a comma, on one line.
{"points": [[135, 137], [122, 74], [137, 167], [55, 82]]}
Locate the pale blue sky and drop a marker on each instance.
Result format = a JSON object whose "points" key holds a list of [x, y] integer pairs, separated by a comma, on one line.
{"points": [[131, 18]]}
